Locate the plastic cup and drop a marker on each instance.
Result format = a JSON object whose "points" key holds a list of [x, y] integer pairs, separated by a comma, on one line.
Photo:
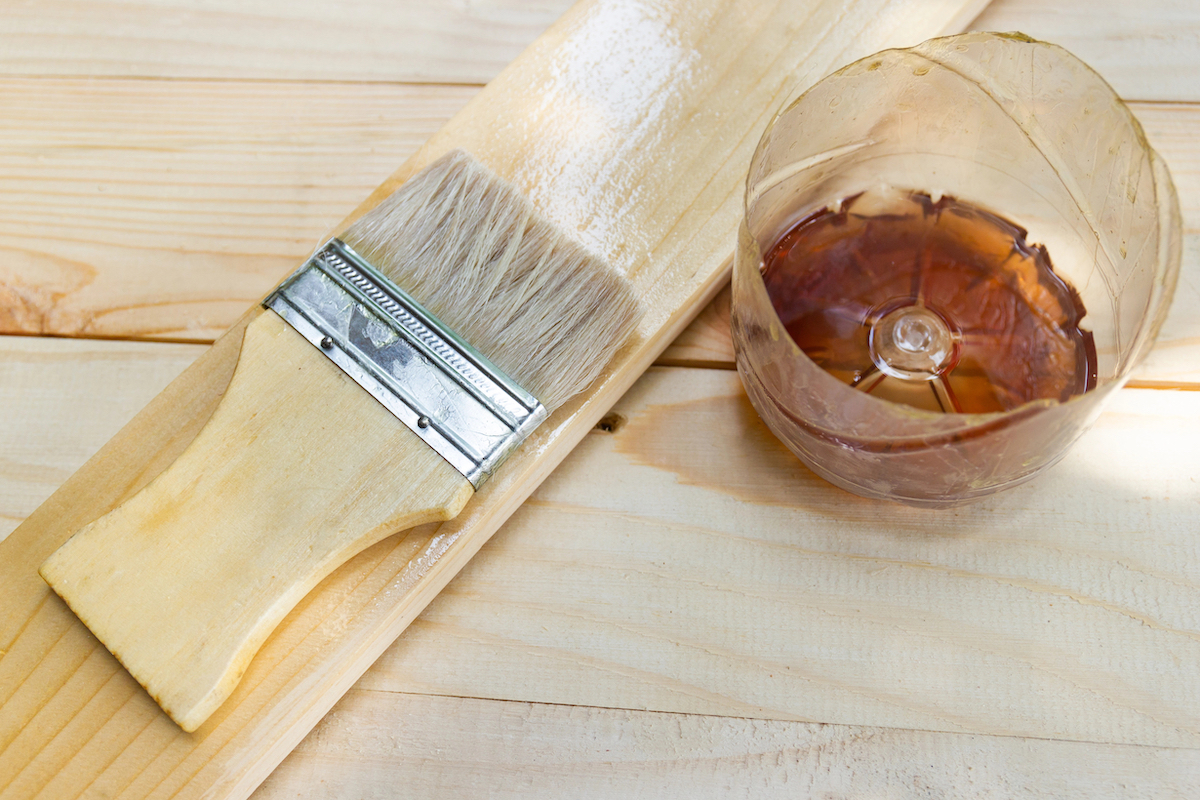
{"points": [[1005, 123]]}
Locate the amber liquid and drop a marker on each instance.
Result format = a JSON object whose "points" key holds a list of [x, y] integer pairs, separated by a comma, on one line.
{"points": [[1011, 325]]}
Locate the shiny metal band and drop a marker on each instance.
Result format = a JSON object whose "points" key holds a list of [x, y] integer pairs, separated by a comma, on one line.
{"points": [[444, 390]]}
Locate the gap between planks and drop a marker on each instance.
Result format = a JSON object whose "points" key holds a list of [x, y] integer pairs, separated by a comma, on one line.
{"points": [[370, 743], [639, 575], [386, 696], [668, 359]]}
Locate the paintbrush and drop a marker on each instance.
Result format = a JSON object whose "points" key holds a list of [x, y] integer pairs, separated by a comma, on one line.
{"points": [[388, 378]]}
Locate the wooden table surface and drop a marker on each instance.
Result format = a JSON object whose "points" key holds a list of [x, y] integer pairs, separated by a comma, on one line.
{"points": [[682, 609]]}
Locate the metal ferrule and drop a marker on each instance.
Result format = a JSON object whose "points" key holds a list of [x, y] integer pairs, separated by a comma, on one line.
{"points": [[443, 389]]}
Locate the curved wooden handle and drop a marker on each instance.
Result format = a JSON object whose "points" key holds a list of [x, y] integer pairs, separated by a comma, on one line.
{"points": [[297, 471]]}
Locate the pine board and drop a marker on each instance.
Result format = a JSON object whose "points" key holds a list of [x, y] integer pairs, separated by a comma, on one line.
{"points": [[427, 41], [1147, 51], [163, 209], [688, 563], [685, 563], [372, 744], [1151, 56], [118, 224], [638, 187], [61, 400]]}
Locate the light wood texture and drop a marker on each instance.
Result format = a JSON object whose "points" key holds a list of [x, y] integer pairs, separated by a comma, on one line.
{"points": [[431, 41], [647, 574], [60, 400], [635, 141], [375, 745], [587, 598], [1150, 56], [185, 580], [1146, 51], [116, 225], [706, 343], [164, 209]]}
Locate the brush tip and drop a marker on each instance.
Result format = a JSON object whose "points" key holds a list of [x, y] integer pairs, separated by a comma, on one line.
{"points": [[478, 255]]}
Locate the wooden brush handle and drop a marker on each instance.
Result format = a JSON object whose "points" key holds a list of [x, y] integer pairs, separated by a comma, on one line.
{"points": [[298, 470]]}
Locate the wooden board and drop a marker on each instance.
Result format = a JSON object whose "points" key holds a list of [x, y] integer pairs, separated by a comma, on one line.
{"points": [[164, 209], [1147, 53], [1150, 56], [648, 574], [643, 165], [644, 574], [434, 41], [433, 747], [61, 400], [115, 225]]}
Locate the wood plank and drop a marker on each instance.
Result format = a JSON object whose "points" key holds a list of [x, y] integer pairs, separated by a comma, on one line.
{"points": [[310, 40], [436, 747], [1147, 56], [165, 209], [633, 142], [1175, 360], [642, 575], [117, 226], [61, 399], [276, 497], [1145, 53], [649, 572]]}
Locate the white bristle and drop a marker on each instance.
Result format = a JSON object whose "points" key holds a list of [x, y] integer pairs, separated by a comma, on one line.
{"points": [[473, 251]]}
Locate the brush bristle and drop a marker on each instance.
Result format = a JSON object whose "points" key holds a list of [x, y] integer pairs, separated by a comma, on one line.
{"points": [[473, 251]]}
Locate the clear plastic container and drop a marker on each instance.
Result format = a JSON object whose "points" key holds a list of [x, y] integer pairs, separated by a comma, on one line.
{"points": [[1003, 123]]}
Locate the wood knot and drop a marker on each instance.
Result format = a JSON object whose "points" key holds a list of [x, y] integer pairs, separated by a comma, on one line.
{"points": [[610, 422]]}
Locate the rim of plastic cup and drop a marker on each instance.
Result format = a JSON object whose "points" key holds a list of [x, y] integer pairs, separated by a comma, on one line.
{"points": [[975, 425]]}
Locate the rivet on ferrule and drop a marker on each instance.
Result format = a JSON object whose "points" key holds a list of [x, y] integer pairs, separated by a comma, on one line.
{"points": [[444, 390]]}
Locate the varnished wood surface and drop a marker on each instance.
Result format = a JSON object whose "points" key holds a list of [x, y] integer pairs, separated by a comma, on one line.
{"points": [[641, 575]]}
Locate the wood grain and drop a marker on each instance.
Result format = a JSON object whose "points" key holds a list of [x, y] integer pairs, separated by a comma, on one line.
{"points": [[1149, 56], [435, 747], [297, 471], [64, 398], [1144, 54], [165, 209], [117, 226], [637, 165], [442, 41], [645, 574], [446, 745]]}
